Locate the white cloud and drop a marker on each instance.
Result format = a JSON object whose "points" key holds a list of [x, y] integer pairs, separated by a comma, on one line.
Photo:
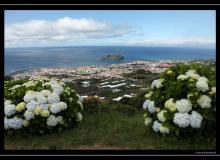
{"points": [[83, 30], [190, 42], [61, 30]]}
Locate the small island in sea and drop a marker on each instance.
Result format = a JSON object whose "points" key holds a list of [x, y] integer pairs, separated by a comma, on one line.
{"points": [[110, 57]]}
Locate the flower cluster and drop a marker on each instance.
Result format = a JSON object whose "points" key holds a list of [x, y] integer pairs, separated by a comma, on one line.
{"points": [[43, 102], [53, 120], [170, 105], [156, 83], [149, 105], [204, 101], [183, 105], [180, 99], [13, 123]]}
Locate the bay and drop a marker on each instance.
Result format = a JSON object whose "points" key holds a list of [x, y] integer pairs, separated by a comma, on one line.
{"points": [[19, 59]]}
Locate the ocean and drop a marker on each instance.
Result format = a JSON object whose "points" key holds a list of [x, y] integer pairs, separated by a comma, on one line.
{"points": [[20, 59]]}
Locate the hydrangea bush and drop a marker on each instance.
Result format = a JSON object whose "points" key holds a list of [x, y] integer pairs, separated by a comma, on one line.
{"points": [[183, 100], [39, 105]]}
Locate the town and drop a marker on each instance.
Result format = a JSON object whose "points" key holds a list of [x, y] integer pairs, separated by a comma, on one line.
{"points": [[114, 81]]}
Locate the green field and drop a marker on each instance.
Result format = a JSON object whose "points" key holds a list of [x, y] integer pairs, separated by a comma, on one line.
{"points": [[113, 125], [109, 131]]}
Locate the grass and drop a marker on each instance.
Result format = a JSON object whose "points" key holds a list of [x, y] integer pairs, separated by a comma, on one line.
{"points": [[108, 131]]}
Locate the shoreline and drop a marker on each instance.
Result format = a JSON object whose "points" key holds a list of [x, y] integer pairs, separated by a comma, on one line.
{"points": [[103, 71], [102, 65]]}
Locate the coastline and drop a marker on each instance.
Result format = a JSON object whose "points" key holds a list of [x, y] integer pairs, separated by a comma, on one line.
{"points": [[103, 71]]}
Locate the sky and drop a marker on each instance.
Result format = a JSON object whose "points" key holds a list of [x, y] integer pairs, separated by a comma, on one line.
{"points": [[186, 28]]}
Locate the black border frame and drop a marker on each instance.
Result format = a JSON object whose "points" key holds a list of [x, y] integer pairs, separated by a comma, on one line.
{"points": [[106, 7]]}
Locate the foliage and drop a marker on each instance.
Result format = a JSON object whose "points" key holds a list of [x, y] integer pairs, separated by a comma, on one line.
{"points": [[183, 101], [40, 105], [141, 74], [94, 104], [109, 131]]}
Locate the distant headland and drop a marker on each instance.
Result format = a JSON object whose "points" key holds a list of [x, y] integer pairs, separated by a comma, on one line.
{"points": [[113, 57]]}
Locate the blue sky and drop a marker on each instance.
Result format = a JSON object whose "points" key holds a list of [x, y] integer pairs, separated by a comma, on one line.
{"points": [[80, 28]]}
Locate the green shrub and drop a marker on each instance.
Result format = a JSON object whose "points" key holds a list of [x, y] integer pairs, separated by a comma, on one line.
{"points": [[40, 105], [95, 105], [182, 101]]}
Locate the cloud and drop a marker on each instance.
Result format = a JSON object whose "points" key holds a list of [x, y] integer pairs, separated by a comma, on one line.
{"points": [[65, 29], [85, 30], [190, 42]]}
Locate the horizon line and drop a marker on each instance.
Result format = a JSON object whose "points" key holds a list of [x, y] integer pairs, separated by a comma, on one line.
{"points": [[194, 47]]}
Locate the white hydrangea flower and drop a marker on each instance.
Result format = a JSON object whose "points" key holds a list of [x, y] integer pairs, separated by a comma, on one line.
{"points": [[183, 105], [181, 119], [156, 83], [148, 95], [45, 113], [29, 97], [53, 98], [204, 101], [45, 93], [79, 117], [156, 126], [81, 105], [195, 119], [31, 105], [157, 109], [63, 105], [26, 123], [170, 105], [203, 79], [182, 77], [192, 74], [52, 121], [10, 110], [202, 85], [28, 115], [30, 84], [164, 130], [62, 83], [55, 86], [41, 99], [80, 98], [7, 102], [145, 104], [13, 123], [16, 86], [189, 95], [151, 107], [189, 72], [6, 126], [161, 116], [148, 104], [46, 84], [147, 121], [213, 90], [44, 106], [60, 120], [169, 72], [55, 108], [70, 99]]}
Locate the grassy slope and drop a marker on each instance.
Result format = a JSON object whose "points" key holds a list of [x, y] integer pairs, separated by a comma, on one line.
{"points": [[107, 130]]}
